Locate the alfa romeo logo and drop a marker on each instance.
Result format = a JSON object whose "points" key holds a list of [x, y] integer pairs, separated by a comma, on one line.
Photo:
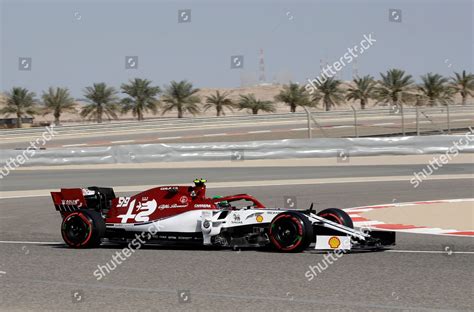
{"points": [[183, 200]]}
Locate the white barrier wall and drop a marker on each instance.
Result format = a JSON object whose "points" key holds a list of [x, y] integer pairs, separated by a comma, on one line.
{"points": [[279, 149]]}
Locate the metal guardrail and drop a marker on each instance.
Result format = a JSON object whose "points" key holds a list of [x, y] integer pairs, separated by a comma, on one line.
{"points": [[403, 113], [238, 151], [153, 123]]}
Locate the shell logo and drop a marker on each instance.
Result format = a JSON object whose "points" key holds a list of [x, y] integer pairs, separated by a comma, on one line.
{"points": [[334, 242], [259, 218]]}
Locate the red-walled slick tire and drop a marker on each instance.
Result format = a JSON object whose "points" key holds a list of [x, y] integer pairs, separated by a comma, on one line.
{"points": [[83, 229], [337, 215], [291, 231]]}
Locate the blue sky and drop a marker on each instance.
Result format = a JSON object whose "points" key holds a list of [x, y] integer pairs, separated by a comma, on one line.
{"points": [[76, 43]]}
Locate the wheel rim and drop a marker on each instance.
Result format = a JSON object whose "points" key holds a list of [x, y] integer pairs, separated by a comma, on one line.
{"points": [[76, 230], [287, 232]]}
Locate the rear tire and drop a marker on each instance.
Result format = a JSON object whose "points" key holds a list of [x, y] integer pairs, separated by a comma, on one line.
{"points": [[291, 231], [337, 215], [83, 229]]}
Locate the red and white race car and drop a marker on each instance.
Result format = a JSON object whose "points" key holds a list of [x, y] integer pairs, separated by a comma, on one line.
{"points": [[175, 214]]}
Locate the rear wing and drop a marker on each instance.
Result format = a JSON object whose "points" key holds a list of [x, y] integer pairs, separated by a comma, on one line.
{"points": [[93, 197], [69, 200]]}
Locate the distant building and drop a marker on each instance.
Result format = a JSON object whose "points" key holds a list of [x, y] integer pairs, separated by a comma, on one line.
{"points": [[11, 122]]}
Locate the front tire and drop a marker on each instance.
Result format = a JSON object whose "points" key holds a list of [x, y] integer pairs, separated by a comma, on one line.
{"points": [[337, 215], [83, 229], [291, 231]]}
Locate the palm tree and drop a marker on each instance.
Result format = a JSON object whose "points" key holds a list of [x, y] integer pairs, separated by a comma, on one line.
{"points": [[395, 87], [293, 95], [141, 97], [464, 84], [58, 101], [102, 100], [182, 97], [330, 93], [361, 90], [20, 102], [219, 101], [254, 105], [434, 88]]}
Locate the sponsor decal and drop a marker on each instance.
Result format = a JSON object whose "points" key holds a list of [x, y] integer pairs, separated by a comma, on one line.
{"points": [[169, 188], [334, 242], [74, 202], [236, 219], [251, 216], [183, 199], [69, 201], [166, 206], [202, 206], [143, 211], [87, 192], [259, 218]]}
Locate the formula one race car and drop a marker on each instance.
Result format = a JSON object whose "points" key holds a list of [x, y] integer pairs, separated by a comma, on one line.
{"points": [[184, 214]]}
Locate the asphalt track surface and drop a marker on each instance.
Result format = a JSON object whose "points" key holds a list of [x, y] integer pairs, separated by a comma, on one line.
{"points": [[231, 131], [423, 273], [47, 179]]}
